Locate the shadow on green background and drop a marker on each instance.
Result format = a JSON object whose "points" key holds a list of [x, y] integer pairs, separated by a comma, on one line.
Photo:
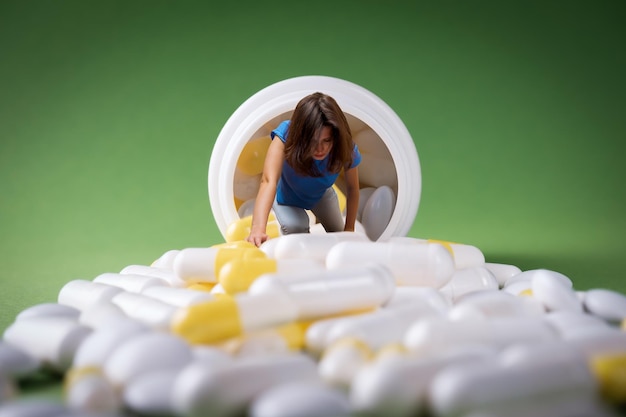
{"points": [[109, 111]]}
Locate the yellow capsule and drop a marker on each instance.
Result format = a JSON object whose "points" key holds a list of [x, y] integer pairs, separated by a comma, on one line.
{"points": [[610, 370], [202, 286], [225, 255], [238, 274], [235, 244], [293, 334], [253, 154], [341, 197], [208, 322], [240, 229]]}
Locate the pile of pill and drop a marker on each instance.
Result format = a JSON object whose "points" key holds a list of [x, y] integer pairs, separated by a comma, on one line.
{"points": [[323, 324]]}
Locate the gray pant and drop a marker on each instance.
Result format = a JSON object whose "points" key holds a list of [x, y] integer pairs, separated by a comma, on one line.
{"points": [[295, 219]]}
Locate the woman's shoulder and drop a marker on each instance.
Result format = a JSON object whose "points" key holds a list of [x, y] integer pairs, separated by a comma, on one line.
{"points": [[281, 130]]}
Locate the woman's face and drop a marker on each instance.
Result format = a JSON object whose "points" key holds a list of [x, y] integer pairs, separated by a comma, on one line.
{"points": [[323, 144]]}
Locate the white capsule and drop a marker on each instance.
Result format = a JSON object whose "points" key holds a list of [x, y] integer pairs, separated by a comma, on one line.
{"points": [[154, 313], [98, 346], [502, 272], [167, 275], [49, 310], [398, 387], [196, 264], [428, 265], [331, 292], [166, 261], [16, 362], [301, 399], [150, 393], [177, 297], [127, 282], [465, 256], [381, 327], [229, 390], [93, 393], [83, 294], [493, 387], [433, 334], [311, 246], [102, 315], [606, 304], [147, 352], [467, 280], [554, 292], [52, 340]]}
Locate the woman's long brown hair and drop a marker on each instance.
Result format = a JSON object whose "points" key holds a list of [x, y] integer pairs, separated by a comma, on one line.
{"points": [[311, 114]]}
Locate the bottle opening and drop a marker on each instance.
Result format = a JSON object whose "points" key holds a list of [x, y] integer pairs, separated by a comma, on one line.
{"points": [[389, 172]]}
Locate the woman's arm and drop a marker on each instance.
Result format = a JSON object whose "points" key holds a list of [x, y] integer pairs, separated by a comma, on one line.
{"points": [[267, 191], [352, 197]]}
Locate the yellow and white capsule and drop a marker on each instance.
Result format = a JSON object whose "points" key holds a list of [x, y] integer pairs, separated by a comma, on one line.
{"points": [[204, 264], [271, 302], [238, 274]]}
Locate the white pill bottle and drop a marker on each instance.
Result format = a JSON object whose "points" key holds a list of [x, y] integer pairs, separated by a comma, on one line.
{"points": [[389, 173]]}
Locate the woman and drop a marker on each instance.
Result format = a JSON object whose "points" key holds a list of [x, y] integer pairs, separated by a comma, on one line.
{"points": [[302, 166]]}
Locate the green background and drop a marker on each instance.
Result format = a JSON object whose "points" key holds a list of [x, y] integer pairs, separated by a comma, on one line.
{"points": [[109, 111]]}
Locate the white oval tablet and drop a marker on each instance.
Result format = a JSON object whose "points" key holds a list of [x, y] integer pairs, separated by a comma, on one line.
{"points": [[378, 211], [606, 304]]}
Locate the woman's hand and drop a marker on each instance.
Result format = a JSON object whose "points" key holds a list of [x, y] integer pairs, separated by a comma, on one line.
{"points": [[257, 237]]}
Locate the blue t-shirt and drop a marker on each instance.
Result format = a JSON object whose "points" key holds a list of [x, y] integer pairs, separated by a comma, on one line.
{"points": [[305, 191]]}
